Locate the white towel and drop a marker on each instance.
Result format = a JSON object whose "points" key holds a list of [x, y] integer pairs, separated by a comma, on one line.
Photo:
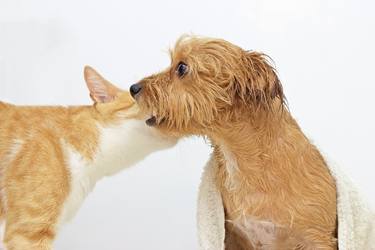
{"points": [[356, 222]]}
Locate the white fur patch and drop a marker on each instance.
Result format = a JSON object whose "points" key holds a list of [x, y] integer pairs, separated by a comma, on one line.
{"points": [[14, 149], [81, 182], [231, 166], [2, 231], [120, 146], [267, 235], [259, 233]]}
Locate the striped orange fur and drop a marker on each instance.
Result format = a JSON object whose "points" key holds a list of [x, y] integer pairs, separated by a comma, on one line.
{"points": [[51, 157]]}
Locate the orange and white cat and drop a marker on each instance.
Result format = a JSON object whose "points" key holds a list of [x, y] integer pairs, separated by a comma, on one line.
{"points": [[51, 158]]}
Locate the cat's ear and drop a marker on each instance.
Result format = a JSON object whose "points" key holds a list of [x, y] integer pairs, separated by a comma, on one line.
{"points": [[101, 90]]}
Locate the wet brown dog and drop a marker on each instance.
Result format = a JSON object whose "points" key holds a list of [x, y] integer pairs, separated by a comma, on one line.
{"points": [[276, 187]]}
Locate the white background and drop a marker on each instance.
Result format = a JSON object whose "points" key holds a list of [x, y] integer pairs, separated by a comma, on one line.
{"points": [[323, 50]]}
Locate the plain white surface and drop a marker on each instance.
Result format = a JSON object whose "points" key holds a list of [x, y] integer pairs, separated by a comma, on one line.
{"points": [[323, 50]]}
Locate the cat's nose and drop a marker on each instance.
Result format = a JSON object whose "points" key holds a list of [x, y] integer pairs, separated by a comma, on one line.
{"points": [[135, 89]]}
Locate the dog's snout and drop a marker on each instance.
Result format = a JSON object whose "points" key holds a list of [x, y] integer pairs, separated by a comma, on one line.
{"points": [[135, 89]]}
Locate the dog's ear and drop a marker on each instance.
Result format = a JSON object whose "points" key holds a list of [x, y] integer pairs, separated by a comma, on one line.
{"points": [[257, 81], [101, 90]]}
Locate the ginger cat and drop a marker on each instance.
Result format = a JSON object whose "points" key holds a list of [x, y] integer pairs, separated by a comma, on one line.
{"points": [[51, 158]]}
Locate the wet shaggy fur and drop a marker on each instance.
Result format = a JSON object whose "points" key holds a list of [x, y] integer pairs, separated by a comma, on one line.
{"points": [[276, 188]]}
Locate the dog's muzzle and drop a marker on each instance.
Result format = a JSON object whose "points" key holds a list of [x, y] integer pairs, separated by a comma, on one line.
{"points": [[135, 89]]}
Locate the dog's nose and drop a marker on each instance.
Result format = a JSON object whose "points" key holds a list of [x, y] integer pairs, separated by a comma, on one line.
{"points": [[135, 89]]}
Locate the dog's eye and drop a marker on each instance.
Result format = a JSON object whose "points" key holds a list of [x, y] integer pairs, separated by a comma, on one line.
{"points": [[181, 69]]}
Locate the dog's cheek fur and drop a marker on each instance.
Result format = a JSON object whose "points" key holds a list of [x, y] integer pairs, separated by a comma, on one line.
{"points": [[178, 105]]}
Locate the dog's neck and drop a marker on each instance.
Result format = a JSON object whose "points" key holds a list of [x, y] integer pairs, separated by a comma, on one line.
{"points": [[251, 145]]}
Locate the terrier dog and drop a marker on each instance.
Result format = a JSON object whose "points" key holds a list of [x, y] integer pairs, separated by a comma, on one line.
{"points": [[276, 188]]}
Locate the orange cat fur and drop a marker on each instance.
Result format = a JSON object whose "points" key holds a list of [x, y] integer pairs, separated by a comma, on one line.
{"points": [[51, 158]]}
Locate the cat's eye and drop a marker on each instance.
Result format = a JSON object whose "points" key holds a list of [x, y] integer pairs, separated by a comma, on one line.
{"points": [[181, 69]]}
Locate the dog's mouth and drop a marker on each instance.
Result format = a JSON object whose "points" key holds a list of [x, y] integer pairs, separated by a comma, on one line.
{"points": [[151, 121], [154, 120]]}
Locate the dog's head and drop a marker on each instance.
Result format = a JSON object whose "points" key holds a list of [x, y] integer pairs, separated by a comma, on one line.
{"points": [[208, 82]]}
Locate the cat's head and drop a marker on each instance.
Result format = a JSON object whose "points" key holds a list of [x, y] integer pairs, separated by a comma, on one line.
{"points": [[116, 108]]}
